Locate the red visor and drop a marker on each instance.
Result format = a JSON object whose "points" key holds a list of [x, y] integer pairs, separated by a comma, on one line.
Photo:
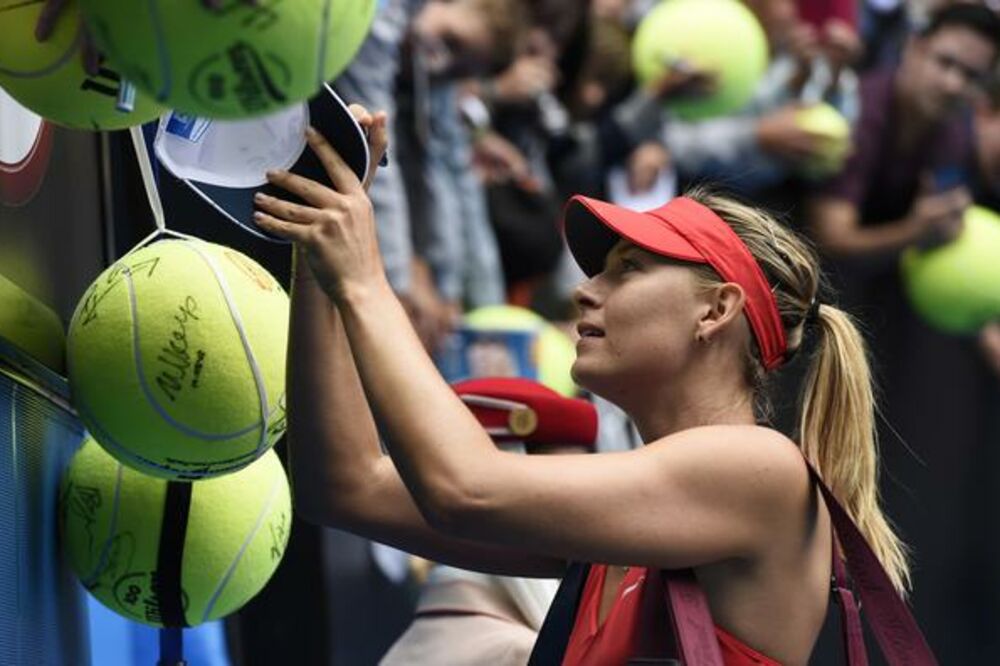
{"points": [[521, 410], [685, 230]]}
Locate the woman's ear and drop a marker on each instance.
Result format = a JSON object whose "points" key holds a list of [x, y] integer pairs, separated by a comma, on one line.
{"points": [[725, 305]]}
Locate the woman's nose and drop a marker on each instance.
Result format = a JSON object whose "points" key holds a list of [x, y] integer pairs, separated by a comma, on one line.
{"points": [[585, 295]]}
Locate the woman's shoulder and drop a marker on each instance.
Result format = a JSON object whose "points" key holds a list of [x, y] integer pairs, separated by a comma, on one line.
{"points": [[754, 459]]}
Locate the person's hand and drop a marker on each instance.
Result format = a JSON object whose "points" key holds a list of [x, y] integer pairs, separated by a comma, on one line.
{"points": [[841, 44], [377, 131], [936, 217], [682, 80], [499, 161], [780, 135], [645, 164], [432, 317], [335, 228], [989, 344], [527, 77]]}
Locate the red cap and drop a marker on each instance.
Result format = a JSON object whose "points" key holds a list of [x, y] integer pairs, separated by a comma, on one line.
{"points": [[520, 410], [686, 230]]}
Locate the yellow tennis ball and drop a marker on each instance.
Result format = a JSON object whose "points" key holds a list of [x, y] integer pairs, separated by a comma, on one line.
{"points": [[239, 61], [825, 121], [555, 351], [48, 77], [956, 287], [173, 553], [32, 326], [721, 37], [176, 358]]}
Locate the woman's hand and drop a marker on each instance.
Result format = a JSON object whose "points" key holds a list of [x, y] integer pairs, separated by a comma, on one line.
{"points": [[335, 228]]}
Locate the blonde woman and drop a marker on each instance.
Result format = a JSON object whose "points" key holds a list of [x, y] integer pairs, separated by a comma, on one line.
{"points": [[687, 311]]}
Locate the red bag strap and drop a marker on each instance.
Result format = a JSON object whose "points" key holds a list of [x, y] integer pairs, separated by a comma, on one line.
{"points": [[850, 616], [694, 629], [893, 625]]}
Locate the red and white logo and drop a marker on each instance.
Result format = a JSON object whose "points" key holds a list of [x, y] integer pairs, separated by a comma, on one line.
{"points": [[25, 147]]}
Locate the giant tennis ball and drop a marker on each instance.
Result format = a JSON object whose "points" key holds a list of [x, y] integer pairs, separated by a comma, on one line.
{"points": [[956, 287], [176, 358], [240, 61], [173, 553], [31, 326], [48, 77], [555, 352], [825, 121], [721, 37]]}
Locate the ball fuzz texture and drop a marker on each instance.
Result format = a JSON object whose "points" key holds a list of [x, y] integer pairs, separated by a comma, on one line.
{"points": [[720, 37], [48, 77], [172, 553], [176, 358], [239, 61], [956, 287]]}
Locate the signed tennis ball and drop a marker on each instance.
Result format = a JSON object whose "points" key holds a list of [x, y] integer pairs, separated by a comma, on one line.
{"points": [[48, 77], [176, 357], [956, 287], [239, 61], [720, 37], [173, 553]]}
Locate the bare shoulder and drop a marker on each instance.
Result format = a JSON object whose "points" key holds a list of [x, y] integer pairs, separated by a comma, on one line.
{"points": [[743, 462]]}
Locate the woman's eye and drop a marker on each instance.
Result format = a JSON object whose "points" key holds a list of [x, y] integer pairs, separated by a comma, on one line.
{"points": [[630, 265]]}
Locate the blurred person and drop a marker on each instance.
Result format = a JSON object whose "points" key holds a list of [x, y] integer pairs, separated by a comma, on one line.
{"points": [[417, 40], [913, 135], [524, 110], [908, 182], [986, 190], [690, 371], [763, 145], [466, 617]]}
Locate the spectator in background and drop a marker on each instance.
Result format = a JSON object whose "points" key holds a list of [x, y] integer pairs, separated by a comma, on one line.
{"points": [[450, 38], [914, 140], [761, 146], [907, 182], [453, 239]]}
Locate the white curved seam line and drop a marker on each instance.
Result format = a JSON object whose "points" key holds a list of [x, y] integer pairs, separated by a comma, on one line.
{"points": [[324, 35], [265, 410], [150, 397], [161, 51], [140, 462], [246, 544]]}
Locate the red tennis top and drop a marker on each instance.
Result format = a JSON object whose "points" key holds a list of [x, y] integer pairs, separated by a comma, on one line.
{"points": [[636, 626]]}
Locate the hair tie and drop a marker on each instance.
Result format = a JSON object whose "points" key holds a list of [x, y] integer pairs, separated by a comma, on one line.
{"points": [[812, 315]]}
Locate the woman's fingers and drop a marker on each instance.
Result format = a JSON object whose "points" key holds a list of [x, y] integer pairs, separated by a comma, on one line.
{"points": [[341, 175], [282, 228], [378, 143], [307, 189], [286, 210]]}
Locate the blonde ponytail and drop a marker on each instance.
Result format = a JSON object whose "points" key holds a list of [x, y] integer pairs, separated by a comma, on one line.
{"points": [[837, 412], [837, 434]]}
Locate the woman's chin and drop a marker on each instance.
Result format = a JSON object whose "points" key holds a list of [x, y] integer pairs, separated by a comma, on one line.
{"points": [[587, 377]]}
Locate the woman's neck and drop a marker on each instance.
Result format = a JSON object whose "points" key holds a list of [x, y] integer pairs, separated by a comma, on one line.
{"points": [[680, 410]]}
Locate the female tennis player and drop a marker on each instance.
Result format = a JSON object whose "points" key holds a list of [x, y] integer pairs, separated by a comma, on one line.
{"points": [[687, 312]]}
